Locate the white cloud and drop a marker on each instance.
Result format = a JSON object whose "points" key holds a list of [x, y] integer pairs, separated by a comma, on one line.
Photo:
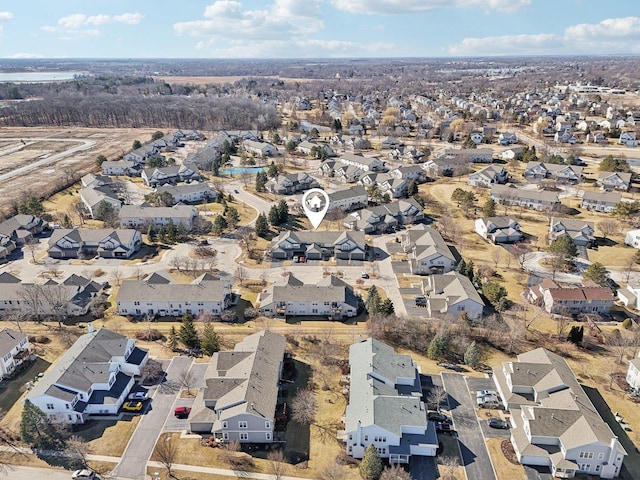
{"points": [[401, 7], [25, 55], [4, 16], [80, 25], [610, 36]]}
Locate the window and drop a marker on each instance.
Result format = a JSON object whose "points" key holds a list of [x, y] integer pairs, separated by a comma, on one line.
{"points": [[366, 438], [50, 406], [597, 467], [225, 425], [600, 456], [350, 449], [268, 436], [267, 424], [244, 436], [585, 455], [225, 435], [67, 406], [350, 436], [242, 424]]}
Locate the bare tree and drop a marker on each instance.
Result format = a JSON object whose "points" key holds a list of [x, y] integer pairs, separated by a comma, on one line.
{"points": [[117, 275], [520, 251], [166, 452], [241, 275], [77, 447], [436, 396], [608, 227], [629, 266], [277, 465], [334, 471], [395, 472], [304, 407], [186, 380], [620, 345], [152, 371], [32, 246], [56, 296], [562, 322], [449, 465], [228, 454], [496, 255], [16, 318], [31, 295]]}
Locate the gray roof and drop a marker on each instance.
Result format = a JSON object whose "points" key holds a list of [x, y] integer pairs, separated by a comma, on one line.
{"points": [[86, 235], [147, 211], [322, 237], [9, 339], [451, 286], [507, 192], [355, 191], [193, 187], [606, 197], [605, 176], [428, 241], [498, 222], [328, 289], [209, 290]]}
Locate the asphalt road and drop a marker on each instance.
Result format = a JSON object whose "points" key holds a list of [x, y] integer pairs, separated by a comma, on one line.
{"points": [[473, 451], [31, 473], [140, 447]]}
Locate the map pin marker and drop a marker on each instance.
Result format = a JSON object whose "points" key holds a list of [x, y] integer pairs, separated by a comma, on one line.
{"points": [[315, 203]]}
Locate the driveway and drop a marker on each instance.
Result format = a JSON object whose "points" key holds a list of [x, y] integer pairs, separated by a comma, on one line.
{"points": [[473, 451], [423, 468], [136, 455]]}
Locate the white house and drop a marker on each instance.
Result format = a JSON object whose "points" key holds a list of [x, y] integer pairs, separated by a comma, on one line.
{"points": [[119, 167], [614, 180], [194, 192], [499, 229], [628, 139], [366, 164], [600, 201], [428, 252], [633, 373], [348, 199], [256, 147], [385, 407], [93, 377], [15, 350], [134, 216], [488, 176], [632, 238], [93, 197], [451, 294]]}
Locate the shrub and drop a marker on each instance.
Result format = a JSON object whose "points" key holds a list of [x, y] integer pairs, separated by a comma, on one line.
{"points": [[627, 323], [149, 335]]}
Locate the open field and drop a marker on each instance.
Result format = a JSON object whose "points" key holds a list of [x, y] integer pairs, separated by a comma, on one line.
{"points": [[43, 160]]}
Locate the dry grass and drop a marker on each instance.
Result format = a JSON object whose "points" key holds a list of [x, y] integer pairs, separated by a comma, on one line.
{"points": [[112, 440], [505, 470]]}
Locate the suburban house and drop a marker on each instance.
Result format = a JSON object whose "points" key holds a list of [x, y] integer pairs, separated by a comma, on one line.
{"points": [[553, 422], [614, 180], [499, 229], [87, 243], [562, 173], [289, 183], [513, 153], [22, 228], [541, 200], [319, 245], [451, 294], [409, 173], [633, 373], [73, 296], [93, 377], [327, 168], [204, 295], [632, 238], [240, 394], [156, 176], [263, 149], [488, 176], [557, 300], [600, 201], [428, 252], [195, 192], [119, 167], [92, 197], [507, 138], [630, 296], [470, 155], [628, 139], [140, 155], [7, 245], [329, 298], [135, 216], [348, 199], [366, 164], [385, 407], [347, 173], [581, 232], [446, 166], [15, 350], [93, 180], [386, 217]]}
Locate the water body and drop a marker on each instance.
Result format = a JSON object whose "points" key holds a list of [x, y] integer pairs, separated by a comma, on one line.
{"points": [[37, 77], [239, 170]]}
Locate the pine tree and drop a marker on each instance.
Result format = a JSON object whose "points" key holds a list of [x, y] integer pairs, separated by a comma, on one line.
{"points": [[171, 231], [283, 212], [274, 216], [473, 355], [262, 226], [219, 225], [470, 270], [462, 267], [439, 346], [37, 430], [489, 208], [261, 181], [371, 465], [576, 334], [412, 189], [373, 301], [387, 307], [210, 339], [172, 341], [188, 333]]}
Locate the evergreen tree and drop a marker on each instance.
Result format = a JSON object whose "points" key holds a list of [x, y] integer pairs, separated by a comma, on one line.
{"points": [[100, 160], [373, 301], [576, 334], [215, 168], [596, 272], [470, 271], [172, 341], [494, 292], [439, 346], [386, 307], [210, 339], [462, 267], [219, 225], [262, 226], [188, 333], [274, 216], [136, 144], [473, 355], [371, 465], [37, 430], [412, 189], [171, 232], [273, 170], [564, 246], [261, 181], [232, 216], [283, 212], [489, 208]]}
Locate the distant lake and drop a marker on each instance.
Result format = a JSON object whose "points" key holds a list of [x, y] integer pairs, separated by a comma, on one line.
{"points": [[36, 77]]}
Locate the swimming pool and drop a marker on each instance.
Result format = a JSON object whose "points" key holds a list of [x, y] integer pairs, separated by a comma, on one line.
{"points": [[239, 170]]}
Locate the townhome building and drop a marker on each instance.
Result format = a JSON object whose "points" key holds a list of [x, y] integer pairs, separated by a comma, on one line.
{"points": [[93, 377], [22, 228], [329, 298], [451, 294], [257, 147], [15, 351], [347, 199], [156, 176], [204, 295], [580, 231], [136, 216], [120, 167], [93, 197], [428, 252], [499, 229], [633, 374], [553, 422], [632, 238], [630, 295], [541, 200], [87, 243], [366, 164], [409, 173], [537, 171], [240, 394], [327, 168], [446, 166], [488, 176], [385, 407], [628, 139], [195, 192], [614, 180], [386, 217], [290, 183], [507, 138], [347, 173], [557, 300], [140, 155], [604, 202], [319, 245]]}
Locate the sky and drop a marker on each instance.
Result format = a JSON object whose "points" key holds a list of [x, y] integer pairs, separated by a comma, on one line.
{"points": [[316, 28]]}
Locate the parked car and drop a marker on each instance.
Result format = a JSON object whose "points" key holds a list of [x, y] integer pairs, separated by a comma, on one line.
{"points": [[364, 275], [137, 396], [182, 412], [438, 417], [132, 406], [421, 301], [84, 473], [498, 423], [484, 393], [443, 427]]}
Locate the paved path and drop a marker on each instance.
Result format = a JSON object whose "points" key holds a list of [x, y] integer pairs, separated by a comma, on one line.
{"points": [[140, 447], [222, 471], [473, 450], [388, 279]]}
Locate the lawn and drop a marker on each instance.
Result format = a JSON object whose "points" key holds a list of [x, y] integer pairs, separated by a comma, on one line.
{"points": [[11, 389], [108, 437], [504, 469]]}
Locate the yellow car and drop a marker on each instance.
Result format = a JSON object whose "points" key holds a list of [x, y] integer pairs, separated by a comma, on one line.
{"points": [[132, 406]]}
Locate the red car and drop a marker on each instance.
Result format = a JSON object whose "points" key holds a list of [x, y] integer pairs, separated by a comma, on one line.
{"points": [[182, 412]]}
